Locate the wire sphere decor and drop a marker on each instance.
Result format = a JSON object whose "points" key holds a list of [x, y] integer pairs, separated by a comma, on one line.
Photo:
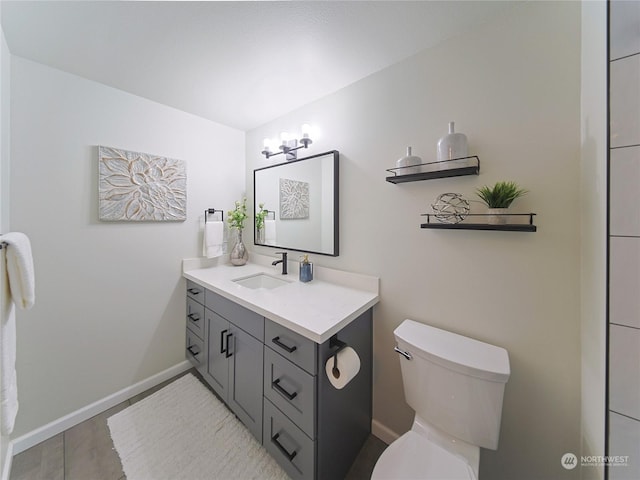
{"points": [[450, 208]]}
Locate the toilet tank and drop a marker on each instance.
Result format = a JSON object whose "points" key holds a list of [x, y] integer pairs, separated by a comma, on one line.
{"points": [[453, 382]]}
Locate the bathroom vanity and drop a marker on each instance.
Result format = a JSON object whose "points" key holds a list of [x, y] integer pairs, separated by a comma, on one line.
{"points": [[262, 340]]}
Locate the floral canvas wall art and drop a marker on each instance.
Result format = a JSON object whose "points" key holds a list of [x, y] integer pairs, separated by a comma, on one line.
{"points": [[140, 187], [294, 199]]}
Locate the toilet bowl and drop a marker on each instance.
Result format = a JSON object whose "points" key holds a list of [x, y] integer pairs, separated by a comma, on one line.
{"points": [[455, 385], [416, 456]]}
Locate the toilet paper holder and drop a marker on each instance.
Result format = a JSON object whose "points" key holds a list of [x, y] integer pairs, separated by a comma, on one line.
{"points": [[338, 345]]}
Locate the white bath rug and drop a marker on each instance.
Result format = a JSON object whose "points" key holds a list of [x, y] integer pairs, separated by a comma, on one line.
{"points": [[184, 432]]}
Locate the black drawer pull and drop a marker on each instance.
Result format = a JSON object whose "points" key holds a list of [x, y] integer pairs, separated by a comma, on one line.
{"points": [[193, 291], [283, 346], [190, 348], [291, 455], [276, 384], [222, 349], [193, 317], [228, 354]]}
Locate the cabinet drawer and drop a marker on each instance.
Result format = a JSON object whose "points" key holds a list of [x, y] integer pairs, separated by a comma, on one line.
{"points": [[291, 389], [195, 291], [195, 349], [291, 448], [249, 321], [195, 317], [291, 345]]}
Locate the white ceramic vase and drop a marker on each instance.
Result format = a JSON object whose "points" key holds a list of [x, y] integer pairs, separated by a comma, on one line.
{"points": [[451, 146], [407, 164]]}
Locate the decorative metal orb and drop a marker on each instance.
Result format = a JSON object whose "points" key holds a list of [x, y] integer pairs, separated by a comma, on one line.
{"points": [[450, 208]]}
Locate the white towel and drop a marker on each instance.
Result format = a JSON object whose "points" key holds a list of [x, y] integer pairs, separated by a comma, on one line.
{"points": [[213, 239], [20, 269], [270, 232], [18, 288], [8, 376]]}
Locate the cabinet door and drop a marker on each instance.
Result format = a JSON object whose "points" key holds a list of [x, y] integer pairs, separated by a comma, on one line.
{"points": [[245, 380], [219, 339]]}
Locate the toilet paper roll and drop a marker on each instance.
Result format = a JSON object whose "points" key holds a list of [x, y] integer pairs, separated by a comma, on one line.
{"points": [[347, 368]]}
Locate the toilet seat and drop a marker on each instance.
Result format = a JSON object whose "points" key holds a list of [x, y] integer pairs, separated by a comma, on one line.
{"points": [[415, 457]]}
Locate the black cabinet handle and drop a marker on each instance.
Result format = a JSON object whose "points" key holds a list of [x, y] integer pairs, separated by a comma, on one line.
{"points": [[193, 291], [190, 348], [193, 317], [222, 350], [291, 455], [228, 354], [283, 346], [276, 384]]}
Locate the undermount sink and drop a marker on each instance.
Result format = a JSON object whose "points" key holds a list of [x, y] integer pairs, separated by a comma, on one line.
{"points": [[261, 280]]}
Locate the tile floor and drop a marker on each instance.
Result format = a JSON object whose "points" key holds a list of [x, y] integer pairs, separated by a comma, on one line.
{"points": [[85, 452]]}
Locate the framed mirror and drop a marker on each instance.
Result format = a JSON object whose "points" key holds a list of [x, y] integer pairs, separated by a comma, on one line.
{"points": [[301, 197]]}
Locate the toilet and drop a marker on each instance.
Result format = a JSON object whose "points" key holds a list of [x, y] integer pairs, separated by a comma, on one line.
{"points": [[455, 385]]}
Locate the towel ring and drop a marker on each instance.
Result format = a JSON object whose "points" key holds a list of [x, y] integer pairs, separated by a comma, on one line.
{"points": [[211, 211]]}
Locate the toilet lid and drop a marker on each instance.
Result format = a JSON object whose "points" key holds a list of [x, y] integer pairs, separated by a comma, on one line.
{"points": [[414, 457]]}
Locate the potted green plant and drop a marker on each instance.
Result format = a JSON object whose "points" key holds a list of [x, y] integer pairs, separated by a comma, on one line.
{"points": [[498, 198], [260, 216], [236, 218]]}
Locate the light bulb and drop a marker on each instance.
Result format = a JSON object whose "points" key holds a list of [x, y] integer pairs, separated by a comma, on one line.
{"points": [[306, 130]]}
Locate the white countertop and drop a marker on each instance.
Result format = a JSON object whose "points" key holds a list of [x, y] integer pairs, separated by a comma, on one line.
{"points": [[317, 309]]}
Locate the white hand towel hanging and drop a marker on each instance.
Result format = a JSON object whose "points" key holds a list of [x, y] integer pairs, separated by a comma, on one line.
{"points": [[18, 288], [213, 239], [270, 232], [20, 269]]}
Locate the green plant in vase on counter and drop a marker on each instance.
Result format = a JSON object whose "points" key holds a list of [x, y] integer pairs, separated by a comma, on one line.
{"points": [[238, 215], [235, 219]]}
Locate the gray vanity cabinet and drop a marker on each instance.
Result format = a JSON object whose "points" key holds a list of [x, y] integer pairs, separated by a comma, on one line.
{"points": [[234, 361], [314, 430], [196, 350], [274, 380]]}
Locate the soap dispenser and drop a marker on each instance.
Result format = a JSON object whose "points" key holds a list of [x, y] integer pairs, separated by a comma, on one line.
{"points": [[451, 146], [306, 269]]}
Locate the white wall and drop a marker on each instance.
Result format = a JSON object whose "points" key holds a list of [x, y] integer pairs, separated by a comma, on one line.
{"points": [[5, 90], [593, 230], [4, 188], [109, 296], [513, 86]]}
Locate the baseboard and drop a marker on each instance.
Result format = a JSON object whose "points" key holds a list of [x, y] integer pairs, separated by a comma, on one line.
{"points": [[383, 432], [7, 460], [49, 430]]}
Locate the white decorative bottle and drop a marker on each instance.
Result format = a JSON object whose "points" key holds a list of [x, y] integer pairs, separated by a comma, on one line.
{"points": [[408, 164], [453, 145]]}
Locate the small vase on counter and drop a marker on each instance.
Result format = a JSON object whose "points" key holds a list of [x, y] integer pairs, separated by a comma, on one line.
{"points": [[451, 146], [239, 254]]}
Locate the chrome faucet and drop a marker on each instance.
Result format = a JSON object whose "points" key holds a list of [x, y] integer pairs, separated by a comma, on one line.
{"points": [[283, 260]]}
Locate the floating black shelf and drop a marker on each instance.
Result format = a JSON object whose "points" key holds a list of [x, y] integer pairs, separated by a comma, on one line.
{"points": [[409, 174], [506, 227]]}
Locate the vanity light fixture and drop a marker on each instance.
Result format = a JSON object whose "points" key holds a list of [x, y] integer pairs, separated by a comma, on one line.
{"points": [[288, 145]]}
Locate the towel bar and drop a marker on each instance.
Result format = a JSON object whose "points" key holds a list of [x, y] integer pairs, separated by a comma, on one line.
{"points": [[211, 211], [271, 211]]}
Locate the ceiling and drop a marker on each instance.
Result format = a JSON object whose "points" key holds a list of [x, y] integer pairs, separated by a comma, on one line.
{"points": [[240, 64]]}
